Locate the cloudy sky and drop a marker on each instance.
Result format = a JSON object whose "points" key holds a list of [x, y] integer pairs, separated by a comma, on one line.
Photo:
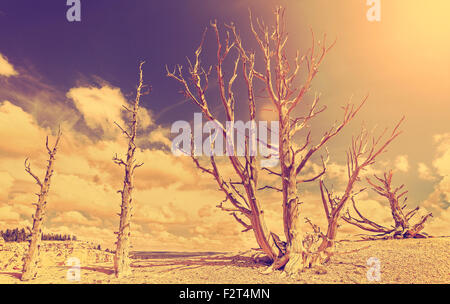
{"points": [[78, 75]]}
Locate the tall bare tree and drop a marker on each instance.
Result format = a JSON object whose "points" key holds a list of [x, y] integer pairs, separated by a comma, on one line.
{"points": [[402, 228], [32, 257], [121, 257], [288, 99]]}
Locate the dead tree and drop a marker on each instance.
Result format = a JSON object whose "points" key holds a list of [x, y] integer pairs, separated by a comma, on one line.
{"points": [[32, 257], [287, 97], [401, 228], [121, 257]]}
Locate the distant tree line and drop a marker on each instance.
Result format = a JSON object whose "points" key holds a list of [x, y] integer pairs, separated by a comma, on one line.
{"points": [[21, 235]]}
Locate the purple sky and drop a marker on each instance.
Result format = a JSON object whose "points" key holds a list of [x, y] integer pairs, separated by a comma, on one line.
{"points": [[109, 41]]}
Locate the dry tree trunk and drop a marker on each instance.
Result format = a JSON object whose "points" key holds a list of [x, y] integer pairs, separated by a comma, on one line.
{"points": [[402, 228], [121, 257], [32, 257]]}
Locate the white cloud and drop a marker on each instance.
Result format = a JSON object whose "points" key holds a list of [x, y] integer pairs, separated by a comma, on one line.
{"points": [[439, 225], [100, 107], [6, 68], [425, 172], [402, 163], [7, 214], [161, 135], [75, 217], [145, 118], [442, 162], [20, 126], [439, 200], [6, 181]]}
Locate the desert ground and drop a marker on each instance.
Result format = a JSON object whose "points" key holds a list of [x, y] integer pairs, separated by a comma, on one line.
{"points": [[408, 261]]}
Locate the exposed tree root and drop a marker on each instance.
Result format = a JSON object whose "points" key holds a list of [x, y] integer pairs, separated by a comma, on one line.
{"points": [[293, 265]]}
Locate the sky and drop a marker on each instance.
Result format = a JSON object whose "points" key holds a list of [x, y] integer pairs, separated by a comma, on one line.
{"points": [[79, 74]]}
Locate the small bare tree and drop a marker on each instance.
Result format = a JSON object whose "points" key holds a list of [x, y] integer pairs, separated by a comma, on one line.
{"points": [[121, 258], [362, 153], [402, 228], [32, 257]]}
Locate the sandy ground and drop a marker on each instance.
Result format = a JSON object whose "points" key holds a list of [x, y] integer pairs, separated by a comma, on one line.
{"points": [[401, 261]]}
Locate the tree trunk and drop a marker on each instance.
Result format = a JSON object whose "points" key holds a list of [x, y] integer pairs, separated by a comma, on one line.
{"points": [[397, 214], [330, 236], [332, 229], [291, 205], [262, 234], [121, 257], [31, 259]]}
